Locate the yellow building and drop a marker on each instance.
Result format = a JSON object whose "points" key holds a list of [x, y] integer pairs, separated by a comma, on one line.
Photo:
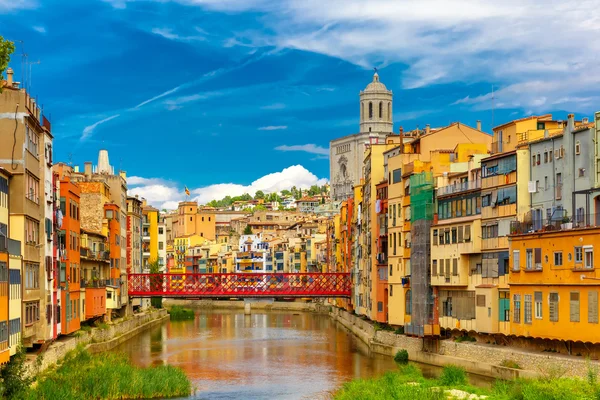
{"points": [[190, 220], [554, 284], [4, 268], [150, 216]]}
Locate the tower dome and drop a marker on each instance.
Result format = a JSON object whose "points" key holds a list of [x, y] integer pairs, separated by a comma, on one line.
{"points": [[376, 107]]}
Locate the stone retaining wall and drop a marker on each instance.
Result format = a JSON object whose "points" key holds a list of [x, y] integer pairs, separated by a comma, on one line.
{"points": [[97, 339], [476, 358], [263, 305]]}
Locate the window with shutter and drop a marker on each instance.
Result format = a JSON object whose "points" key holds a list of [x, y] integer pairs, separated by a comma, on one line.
{"points": [[435, 237], [433, 267], [574, 307], [467, 235], [460, 234], [593, 307], [537, 297], [455, 266], [516, 260], [481, 300], [553, 307], [538, 258], [517, 308], [529, 259], [447, 268]]}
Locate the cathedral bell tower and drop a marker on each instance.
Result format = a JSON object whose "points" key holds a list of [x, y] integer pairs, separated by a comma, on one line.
{"points": [[376, 108]]}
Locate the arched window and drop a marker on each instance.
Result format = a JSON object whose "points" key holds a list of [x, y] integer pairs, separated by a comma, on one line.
{"points": [[389, 111], [370, 110], [362, 110], [408, 302], [380, 109]]}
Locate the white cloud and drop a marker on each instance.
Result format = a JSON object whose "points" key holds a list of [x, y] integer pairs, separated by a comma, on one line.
{"points": [[275, 106], [272, 127], [12, 5], [309, 148], [88, 130], [444, 41], [164, 194], [39, 29], [169, 34], [168, 92]]}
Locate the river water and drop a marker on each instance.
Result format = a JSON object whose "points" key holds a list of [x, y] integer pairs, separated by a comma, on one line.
{"points": [[274, 355]]}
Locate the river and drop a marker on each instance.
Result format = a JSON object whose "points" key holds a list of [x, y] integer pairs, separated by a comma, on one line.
{"points": [[273, 355]]}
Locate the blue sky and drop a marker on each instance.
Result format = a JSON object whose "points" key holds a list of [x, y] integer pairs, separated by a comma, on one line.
{"points": [[227, 96]]}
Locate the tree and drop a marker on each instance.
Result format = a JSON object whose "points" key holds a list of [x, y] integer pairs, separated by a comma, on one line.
{"points": [[285, 192], [259, 195], [156, 281], [247, 230], [314, 190], [245, 197], [14, 379], [6, 49]]}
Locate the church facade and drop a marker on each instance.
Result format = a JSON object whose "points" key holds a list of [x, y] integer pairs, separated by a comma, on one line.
{"points": [[346, 153]]}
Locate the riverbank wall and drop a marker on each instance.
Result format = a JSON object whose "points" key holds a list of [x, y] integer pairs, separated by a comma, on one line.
{"points": [[476, 358], [97, 339], [255, 305]]}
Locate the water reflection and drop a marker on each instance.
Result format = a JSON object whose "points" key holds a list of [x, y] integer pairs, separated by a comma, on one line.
{"points": [[276, 355]]}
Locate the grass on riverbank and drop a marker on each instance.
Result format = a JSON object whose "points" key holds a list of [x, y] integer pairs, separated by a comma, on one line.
{"points": [[179, 313], [409, 383], [82, 375]]}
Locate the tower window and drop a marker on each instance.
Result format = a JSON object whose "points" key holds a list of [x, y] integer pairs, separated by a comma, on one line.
{"points": [[380, 109], [370, 110], [362, 110], [389, 111]]}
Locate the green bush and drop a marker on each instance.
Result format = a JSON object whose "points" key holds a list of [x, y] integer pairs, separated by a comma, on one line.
{"points": [[178, 313], [108, 376], [453, 375], [464, 338], [510, 364], [14, 382], [401, 356], [399, 330]]}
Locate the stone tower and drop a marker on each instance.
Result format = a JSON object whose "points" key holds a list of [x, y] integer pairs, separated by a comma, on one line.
{"points": [[376, 107], [346, 153]]}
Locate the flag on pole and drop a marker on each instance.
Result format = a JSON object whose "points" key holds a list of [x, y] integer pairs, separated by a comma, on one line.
{"points": [[187, 191]]}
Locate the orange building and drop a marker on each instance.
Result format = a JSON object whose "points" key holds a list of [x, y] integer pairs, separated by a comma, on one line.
{"points": [[70, 274], [113, 233], [381, 208], [554, 284]]}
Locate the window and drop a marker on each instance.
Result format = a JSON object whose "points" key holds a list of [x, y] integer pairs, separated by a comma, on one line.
{"points": [[577, 147], [553, 307], [593, 307], [527, 309], [578, 255], [454, 236], [434, 267], [435, 237], [380, 109], [32, 312], [529, 259], [408, 302], [455, 267], [32, 276], [467, 233], [558, 258], [537, 297], [160, 230], [161, 245], [391, 290], [545, 157], [33, 188], [480, 300], [517, 308], [574, 307], [380, 306], [517, 260], [32, 141], [370, 110], [503, 306], [397, 175], [190, 219], [588, 257]]}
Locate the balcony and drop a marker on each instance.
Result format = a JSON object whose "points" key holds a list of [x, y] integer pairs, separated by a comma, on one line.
{"points": [[382, 274], [93, 283], [94, 255], [459, 187], [382, 259], [556, 224]]}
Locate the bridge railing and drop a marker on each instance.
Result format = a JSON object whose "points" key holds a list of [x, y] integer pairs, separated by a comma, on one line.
{"points": [[241, 285]]}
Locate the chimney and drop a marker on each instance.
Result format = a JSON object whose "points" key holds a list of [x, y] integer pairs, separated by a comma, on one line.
{"points": [[478, 125], [427, 129], [87, 169], [9, 78], [571, 122], [401, 131]]}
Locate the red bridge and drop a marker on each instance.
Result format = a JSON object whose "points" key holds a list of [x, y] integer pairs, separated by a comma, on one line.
{"points": [[241, 285]]}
